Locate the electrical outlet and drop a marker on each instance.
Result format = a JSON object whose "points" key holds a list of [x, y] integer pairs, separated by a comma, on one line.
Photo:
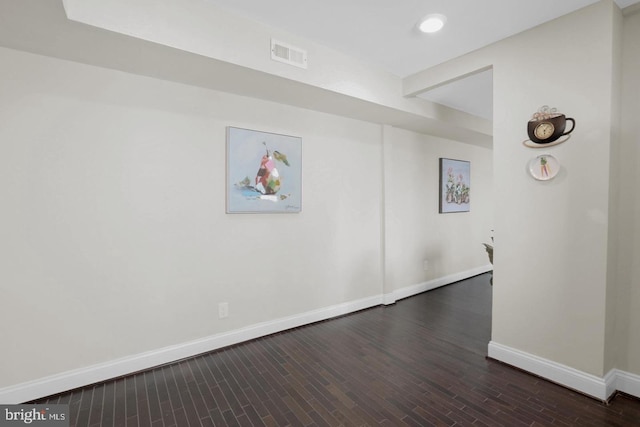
{"points": [[425, 264], [223, 310]]}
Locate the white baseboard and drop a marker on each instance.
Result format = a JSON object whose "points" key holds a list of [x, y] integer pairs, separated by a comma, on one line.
{"points": [[627, 382], [59, 383], [104, 371], [558, 373], [610, 382], [591, 385], [600, 388], [409, 291]]}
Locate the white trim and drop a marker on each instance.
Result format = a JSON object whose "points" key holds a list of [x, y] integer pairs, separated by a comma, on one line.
{"points": [[600, 388], [59, 383], [69, 380], [409, 291], [610, 383], [627, 382]]}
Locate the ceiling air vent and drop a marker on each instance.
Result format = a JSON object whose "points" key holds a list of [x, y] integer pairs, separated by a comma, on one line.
{"points": [[288, 54]]}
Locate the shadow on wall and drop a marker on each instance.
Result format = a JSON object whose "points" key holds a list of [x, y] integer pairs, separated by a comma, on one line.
{"points": [[489, 248]]}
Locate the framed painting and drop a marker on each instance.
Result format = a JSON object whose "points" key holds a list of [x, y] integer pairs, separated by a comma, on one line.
{"points": [[264, 172], [455, 185]]}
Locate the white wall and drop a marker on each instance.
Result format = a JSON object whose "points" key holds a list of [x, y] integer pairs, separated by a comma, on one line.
{"points": [[614, 318], [551, 262], [628, 303], [415, 231], [566, 273], [115, 241]]}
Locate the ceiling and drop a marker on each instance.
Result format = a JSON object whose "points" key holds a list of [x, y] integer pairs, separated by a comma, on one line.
{"points": [[383, 33]]}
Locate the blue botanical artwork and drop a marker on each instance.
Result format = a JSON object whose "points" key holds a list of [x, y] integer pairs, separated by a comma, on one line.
{"points": [[264, 172], [455, 185]]}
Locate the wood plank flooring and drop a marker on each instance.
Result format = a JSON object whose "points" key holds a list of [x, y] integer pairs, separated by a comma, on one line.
{"points": [[419, 362]]}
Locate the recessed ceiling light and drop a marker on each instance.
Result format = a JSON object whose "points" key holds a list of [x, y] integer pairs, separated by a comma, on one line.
{"points": [[432, 23]]}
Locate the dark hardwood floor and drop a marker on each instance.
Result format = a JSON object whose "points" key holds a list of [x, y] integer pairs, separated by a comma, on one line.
{"points": [[419, 362]]}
